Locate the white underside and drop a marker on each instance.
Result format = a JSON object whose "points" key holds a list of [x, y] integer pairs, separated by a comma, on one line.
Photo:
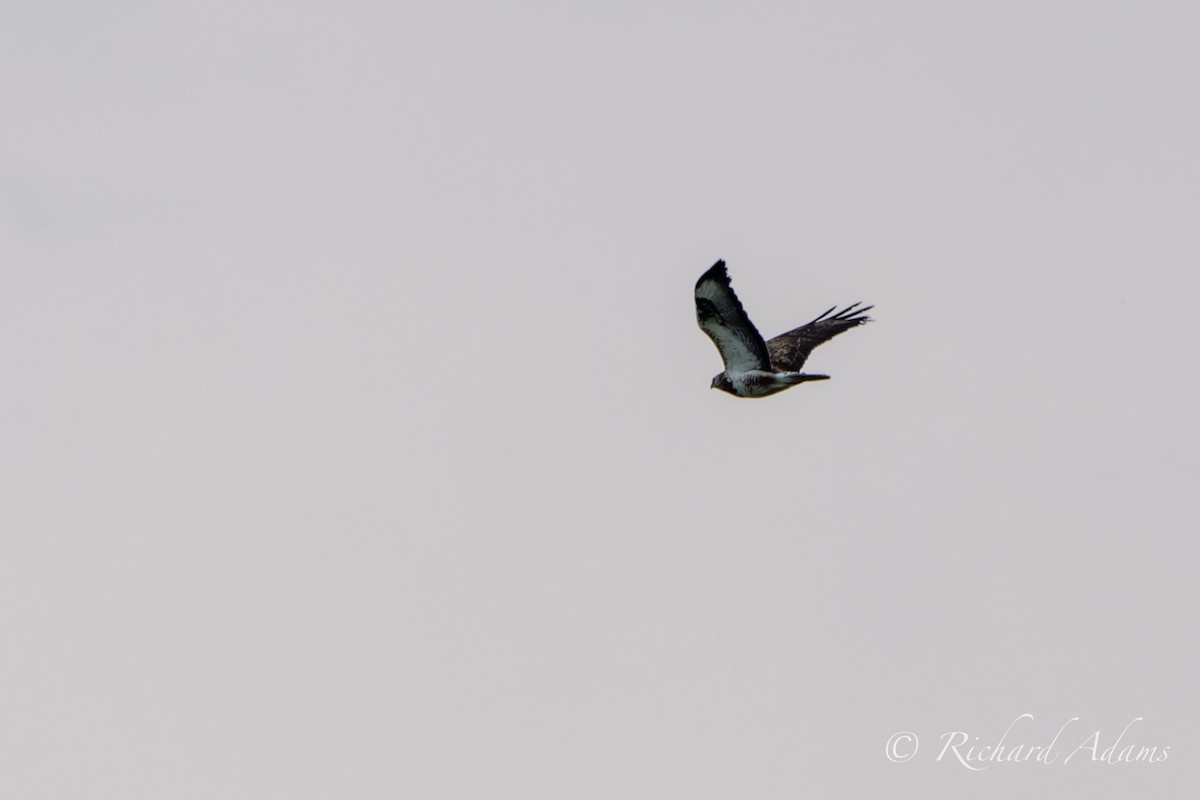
{"points": [[760, 383]]}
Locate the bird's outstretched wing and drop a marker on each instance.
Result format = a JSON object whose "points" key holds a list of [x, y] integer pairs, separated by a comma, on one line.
{"points": [[788, 351], [722, 317]]}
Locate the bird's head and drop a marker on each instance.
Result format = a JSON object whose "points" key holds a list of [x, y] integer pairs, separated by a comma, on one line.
{"points": [[722, 382]]}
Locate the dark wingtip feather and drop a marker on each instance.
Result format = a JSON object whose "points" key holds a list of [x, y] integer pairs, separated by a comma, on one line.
{"points": [[853, 314], [716, 272]]}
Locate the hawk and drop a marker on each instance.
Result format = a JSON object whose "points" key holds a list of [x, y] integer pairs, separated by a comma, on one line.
{"points": [[753, 367]]}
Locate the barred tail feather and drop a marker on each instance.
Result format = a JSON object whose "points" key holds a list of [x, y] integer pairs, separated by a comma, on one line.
{"points": [[802, 377]]}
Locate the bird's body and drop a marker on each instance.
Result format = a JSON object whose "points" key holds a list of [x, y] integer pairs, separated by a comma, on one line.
{"points": [[761, 382], [754, 367]]}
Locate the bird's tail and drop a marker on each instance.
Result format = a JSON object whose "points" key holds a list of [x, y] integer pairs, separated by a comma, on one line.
{"points": [[792, 378]]}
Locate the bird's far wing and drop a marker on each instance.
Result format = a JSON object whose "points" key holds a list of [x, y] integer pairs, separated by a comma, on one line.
{"points": [[788, 351], [722, 317]]}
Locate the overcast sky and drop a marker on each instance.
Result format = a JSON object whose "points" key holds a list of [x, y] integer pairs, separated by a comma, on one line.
{"points": [[357, 438]]}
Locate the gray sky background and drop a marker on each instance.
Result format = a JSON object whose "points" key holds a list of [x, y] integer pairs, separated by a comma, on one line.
{"points": [[357, 438]]}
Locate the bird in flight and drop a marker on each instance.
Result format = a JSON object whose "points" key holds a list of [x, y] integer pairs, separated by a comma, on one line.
{"points": [[753, 367]]}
